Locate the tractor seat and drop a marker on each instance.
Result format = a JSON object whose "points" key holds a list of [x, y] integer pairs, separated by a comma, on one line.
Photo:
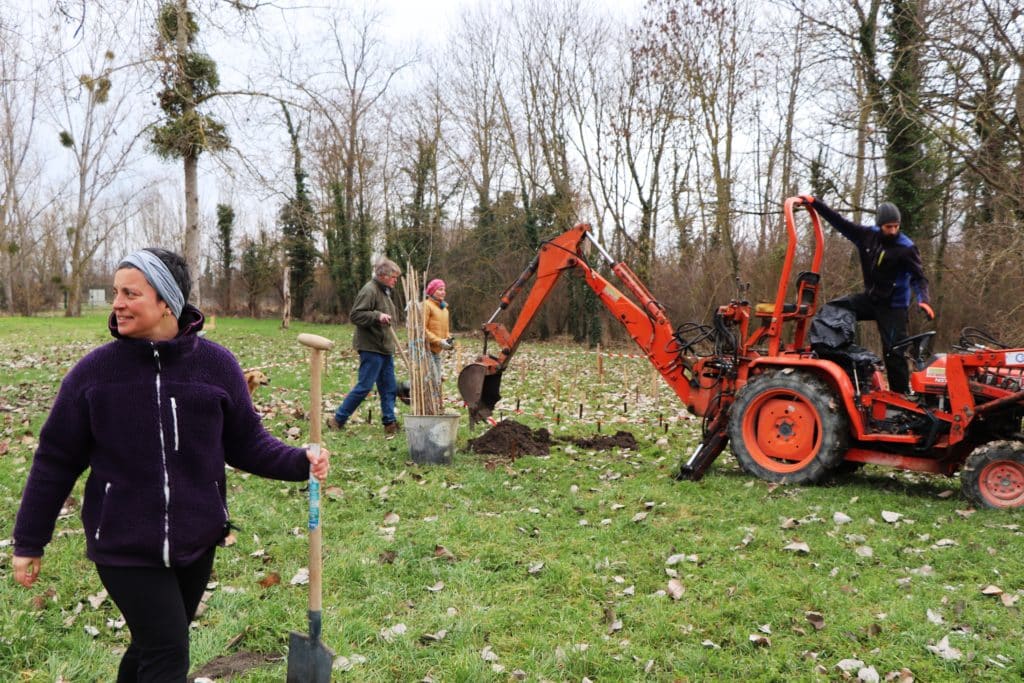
{"points": [[806, 294], [766, 310]]}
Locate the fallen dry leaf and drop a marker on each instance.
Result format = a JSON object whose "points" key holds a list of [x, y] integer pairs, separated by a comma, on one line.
{"points": [[945, 650], [301, 577], [760, 641], [849, 665], [798, 547], [391, 519], [991, 590], [816, 619], [428, 638], [891, 517], [867, 674], [442, 553], [535, 568], [488, 655], [675, 589], [96, 600], [391, 632], [437, 587], [271, 579]]}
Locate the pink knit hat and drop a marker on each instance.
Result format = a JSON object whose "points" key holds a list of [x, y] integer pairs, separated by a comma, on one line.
{"points": [[434, 285]]}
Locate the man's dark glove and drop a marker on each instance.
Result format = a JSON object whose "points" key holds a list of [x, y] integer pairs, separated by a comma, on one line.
{"points": [[926, 309]]}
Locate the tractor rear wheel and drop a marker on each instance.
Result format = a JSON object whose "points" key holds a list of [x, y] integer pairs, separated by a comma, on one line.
{"points": [[788, 427], [993, 476]]}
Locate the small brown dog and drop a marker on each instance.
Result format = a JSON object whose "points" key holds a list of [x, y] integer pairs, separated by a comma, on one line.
{"points": [[255, 379]]}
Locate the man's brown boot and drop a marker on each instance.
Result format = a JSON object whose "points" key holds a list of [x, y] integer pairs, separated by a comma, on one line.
{"points": [[332, 424], [391, 428]]}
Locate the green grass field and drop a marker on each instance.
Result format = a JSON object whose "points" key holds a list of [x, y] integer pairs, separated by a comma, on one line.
{"points": [[578, 565]]}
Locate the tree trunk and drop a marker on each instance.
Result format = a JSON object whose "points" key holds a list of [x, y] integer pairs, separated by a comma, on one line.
{"points": [[193, 237], [286, 295]]}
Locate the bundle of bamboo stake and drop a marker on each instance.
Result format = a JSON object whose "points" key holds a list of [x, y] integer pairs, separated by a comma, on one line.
{"points": [[424, 379]]}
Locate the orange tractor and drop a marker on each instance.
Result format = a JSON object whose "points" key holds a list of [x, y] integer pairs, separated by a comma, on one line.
{"points": [[793, 412]]}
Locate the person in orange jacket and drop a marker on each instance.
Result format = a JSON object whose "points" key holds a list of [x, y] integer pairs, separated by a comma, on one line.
{"points": [[435, 320]]}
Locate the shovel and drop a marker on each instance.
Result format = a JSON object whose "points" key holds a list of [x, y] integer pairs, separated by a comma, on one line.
{"points": [[309, 660]]}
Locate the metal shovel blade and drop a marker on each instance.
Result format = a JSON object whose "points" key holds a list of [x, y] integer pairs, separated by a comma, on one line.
{"points": [[480, 391], [309, 660]]}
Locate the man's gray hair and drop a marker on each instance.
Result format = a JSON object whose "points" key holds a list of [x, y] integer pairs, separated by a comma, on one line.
{"points": [[386, 267]]}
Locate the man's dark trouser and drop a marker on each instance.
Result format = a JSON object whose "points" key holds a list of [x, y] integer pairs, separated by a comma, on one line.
{"points": [[892, 326]]}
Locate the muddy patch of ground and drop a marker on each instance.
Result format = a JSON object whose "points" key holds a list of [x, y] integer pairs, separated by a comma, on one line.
{"points": [[227, 667], [512, 439], [620, 439]]}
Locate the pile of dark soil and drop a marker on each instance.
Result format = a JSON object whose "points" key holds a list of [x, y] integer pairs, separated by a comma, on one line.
{"points": [[229, 666], [620, 439], [512, 439]]}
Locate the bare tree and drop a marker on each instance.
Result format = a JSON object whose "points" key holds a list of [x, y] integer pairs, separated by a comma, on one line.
{"points": [[22, 84], [344, 89], [474, 66], [709, 47], [94, 117]]}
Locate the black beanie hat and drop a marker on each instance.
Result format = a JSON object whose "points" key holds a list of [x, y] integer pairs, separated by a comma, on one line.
{"points": [[887, 213]]}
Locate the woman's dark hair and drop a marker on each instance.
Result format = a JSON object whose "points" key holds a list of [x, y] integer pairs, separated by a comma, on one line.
{"points": [[179, 269]]}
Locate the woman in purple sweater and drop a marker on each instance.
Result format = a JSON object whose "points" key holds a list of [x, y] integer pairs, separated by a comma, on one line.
{"points": [[154, 416]]}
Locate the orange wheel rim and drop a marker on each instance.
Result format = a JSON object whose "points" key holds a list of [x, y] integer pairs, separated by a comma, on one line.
{"points": [[1002, 483], [782, 431]]}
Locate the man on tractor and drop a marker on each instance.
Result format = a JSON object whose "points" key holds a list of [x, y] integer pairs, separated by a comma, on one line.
{"points": [[891, 265]]}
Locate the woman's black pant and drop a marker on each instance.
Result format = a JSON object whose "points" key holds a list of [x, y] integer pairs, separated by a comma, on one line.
{"points": [[158, 604]]}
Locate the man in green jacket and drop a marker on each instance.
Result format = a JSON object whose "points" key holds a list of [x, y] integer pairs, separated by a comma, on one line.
{"points": [[373, 313]]}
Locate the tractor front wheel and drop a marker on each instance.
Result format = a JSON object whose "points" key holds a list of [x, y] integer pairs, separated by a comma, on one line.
{"points": [[993, 476], [788, 427]]}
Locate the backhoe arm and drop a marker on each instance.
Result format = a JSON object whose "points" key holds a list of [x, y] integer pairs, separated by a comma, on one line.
{"points": [[479, 382]]}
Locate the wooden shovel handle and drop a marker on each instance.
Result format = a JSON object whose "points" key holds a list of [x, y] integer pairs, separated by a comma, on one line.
{"points": [[316, 361]]}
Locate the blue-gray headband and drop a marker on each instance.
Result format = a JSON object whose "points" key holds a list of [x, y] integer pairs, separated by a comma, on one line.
{"points": [[159, 276]]}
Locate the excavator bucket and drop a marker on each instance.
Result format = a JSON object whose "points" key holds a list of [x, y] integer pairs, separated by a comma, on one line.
{"points": [[479, 390]]}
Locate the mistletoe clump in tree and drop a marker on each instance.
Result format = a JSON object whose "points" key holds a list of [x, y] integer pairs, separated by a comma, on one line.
{"points": [[189, 79]]}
